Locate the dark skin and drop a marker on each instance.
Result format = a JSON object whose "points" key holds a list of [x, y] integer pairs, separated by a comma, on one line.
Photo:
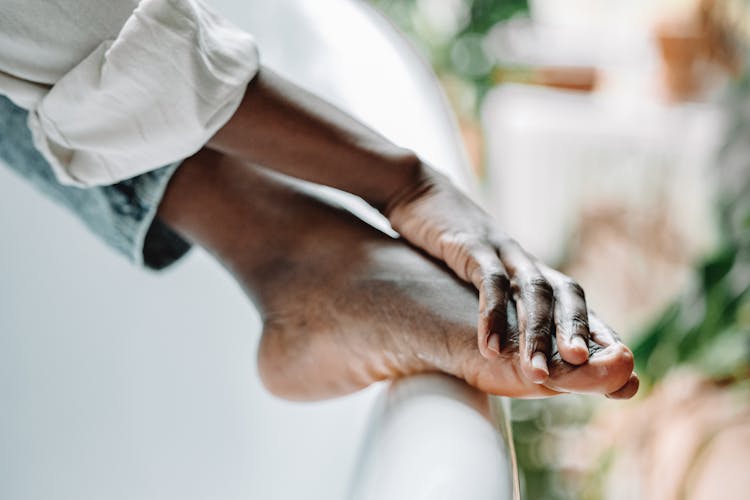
{"points": [[282, 127], [345, 305]]}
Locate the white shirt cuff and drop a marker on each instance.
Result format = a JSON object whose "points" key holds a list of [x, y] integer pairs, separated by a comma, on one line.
{"points": [[174, 75]]}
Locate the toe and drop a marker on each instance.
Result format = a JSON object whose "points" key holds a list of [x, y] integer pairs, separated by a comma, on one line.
{"points": [[628, 390], [606, 372]]}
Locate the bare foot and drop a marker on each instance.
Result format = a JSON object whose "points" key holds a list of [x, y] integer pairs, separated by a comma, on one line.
{"points": [[345, 305]]}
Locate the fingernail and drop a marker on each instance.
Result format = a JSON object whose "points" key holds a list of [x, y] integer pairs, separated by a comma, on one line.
{"points": [[539, 361], [579, 342], [493, 343]]}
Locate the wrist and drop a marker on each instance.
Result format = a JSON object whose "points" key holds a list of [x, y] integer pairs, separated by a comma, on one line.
{"points": [[391, 173], [422, 179]]}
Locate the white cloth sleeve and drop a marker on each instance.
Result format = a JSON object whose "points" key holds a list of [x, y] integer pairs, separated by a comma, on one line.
{"points": [[157, 93]]}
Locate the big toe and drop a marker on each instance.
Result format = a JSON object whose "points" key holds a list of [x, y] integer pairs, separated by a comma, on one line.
{"points": [[607, 371]]}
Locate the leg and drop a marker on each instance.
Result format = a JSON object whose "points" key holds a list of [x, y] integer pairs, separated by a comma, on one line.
{"points": [[345, 305]]}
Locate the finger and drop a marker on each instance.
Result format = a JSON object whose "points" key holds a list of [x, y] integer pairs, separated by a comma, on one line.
{"points": [[492, 281], [628, 390], [600, 332], [571, 317], [534, 303], [608, 372]]}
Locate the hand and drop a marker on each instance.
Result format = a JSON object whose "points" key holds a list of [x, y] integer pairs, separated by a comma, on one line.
{"points": [[435, 216]]}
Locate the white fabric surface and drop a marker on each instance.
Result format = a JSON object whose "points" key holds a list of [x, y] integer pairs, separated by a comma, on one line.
{"points": [[119, 87]]}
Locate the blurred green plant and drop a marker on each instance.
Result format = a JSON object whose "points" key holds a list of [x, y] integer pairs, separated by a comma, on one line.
{"points": [[541, 430], [452, 35], [709, 327]]}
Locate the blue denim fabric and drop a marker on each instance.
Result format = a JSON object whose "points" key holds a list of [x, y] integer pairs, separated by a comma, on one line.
{"points": [[123, 214]]}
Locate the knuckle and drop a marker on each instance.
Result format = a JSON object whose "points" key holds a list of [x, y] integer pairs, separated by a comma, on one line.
{"points": [[496, 279], [578, 321], [572, 287], [576, 324], [539, 329], [539, 287], [540, 324]]}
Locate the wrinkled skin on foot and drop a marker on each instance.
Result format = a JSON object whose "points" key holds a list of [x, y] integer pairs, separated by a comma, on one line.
{"points": [[345, 305]]}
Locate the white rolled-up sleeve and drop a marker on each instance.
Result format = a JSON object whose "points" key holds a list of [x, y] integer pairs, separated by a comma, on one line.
{"points": [[155, 94]]}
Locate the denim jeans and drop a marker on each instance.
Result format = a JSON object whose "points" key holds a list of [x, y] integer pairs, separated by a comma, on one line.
{"points": [[123, 215]]}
